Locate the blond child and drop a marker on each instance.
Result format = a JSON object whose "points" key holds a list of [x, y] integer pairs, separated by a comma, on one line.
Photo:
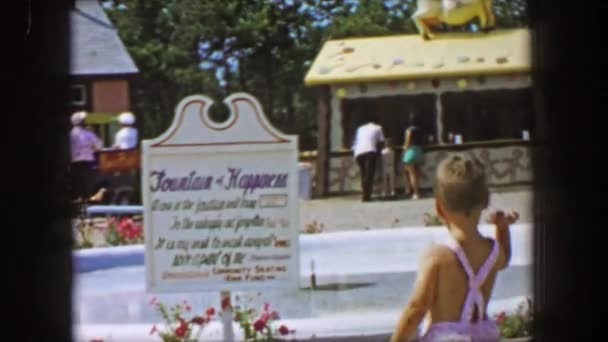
{"points": [[456, 280], [388, 169]]}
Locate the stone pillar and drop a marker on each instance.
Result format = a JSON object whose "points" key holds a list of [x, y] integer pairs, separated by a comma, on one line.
{"points": [[322, 163]]}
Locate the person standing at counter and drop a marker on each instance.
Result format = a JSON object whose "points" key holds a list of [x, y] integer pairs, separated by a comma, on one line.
{"points": [[83, 145], [126, 137], [413, 156], [369, 141], [388, 169]]}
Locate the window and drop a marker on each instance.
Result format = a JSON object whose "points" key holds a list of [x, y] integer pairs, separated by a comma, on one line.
{"points": [[78, 95], [487, 115], [393, 116]]}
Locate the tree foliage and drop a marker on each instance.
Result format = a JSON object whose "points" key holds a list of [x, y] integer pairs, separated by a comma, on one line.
{"points": [[263, 47]]}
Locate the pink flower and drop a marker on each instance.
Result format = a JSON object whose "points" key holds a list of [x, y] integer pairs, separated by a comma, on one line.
{"points": [[283, 330], [274, 315], [153, 330], [210, 311], [152, 301], [187, 307], [266, 306], [259, 325]]}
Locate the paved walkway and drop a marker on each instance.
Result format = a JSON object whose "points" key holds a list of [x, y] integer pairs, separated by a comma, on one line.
{"points": [[349, 213]]}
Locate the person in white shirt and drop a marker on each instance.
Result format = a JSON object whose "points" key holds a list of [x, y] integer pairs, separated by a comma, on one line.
{"points": [[368, 145], [126, 137]]}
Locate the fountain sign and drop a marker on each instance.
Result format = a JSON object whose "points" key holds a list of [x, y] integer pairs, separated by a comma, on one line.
{"points": [[220, 201]]}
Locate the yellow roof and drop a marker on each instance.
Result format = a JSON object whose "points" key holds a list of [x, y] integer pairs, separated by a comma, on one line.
{"points": [[359, 60]]}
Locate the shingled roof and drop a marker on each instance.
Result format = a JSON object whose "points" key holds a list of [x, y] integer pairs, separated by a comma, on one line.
{"points": [[96, 48]]}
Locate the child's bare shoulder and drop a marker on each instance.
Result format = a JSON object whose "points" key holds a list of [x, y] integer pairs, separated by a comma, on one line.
{"points": [[438, 253]]}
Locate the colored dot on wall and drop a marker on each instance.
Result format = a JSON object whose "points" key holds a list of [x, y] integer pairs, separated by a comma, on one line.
{"points": [[463, 59], [462, 83], [363, 88], [435, 83], [411, 86], [324, 70], [341, 92]]}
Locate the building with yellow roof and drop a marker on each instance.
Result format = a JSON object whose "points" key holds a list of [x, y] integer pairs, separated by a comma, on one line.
{"points": [[472, 88]]}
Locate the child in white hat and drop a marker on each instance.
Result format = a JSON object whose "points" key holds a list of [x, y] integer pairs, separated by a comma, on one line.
{"points": [[126, 137]]}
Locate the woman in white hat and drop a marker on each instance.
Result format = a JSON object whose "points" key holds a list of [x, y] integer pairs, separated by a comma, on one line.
{"points": [[126, 137], [84, 143]]}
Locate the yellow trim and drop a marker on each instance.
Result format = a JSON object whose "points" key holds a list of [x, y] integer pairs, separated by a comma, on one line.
{"points": [[403, 57], [101, 118], [372, 79]]}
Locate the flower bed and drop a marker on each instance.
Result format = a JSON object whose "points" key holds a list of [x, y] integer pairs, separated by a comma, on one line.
{"points": [[255, 326], [178, 328], [518, 324], [109, 231], [258, 326]]}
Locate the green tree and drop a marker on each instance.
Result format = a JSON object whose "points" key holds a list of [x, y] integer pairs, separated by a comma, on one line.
{"points": [[262, 47]]}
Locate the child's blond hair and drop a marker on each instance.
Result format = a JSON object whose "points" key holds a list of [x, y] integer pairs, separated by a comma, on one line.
{"points": [[460, 183]]}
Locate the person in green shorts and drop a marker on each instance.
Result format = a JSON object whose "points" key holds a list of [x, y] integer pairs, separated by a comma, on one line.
{"points": [[413, 156]]}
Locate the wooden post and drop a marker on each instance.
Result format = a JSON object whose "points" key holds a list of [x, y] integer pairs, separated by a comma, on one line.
{"points": [[439, 118], [322, 163], [227, 316]]}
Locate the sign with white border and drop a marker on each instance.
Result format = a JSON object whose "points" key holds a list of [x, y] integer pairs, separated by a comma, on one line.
{"points": [[220, 201]]}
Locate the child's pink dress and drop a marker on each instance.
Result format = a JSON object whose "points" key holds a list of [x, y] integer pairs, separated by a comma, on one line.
{"points": [[484, 330]]}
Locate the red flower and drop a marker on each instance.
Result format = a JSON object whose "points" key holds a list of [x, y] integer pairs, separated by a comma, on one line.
{"points": [[136, 232], [210, 311], [128, 230], [199, 320], [500, 317], [259, 325], [153, 330], [180, 331], [97, 340], [225, 302], [283, 330], [274, 315]]}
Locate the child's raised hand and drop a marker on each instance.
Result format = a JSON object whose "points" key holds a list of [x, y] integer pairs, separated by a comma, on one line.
{"points": [[502, 219]]}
